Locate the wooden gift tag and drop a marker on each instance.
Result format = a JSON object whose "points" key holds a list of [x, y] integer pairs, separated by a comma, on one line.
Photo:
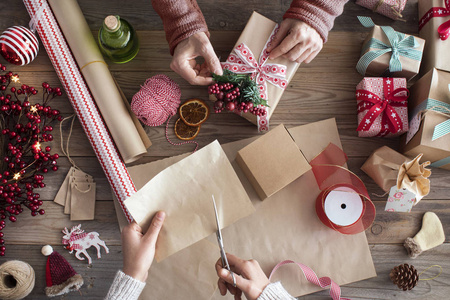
{"points": [[82, 205], [60, 197], [72, 179]]}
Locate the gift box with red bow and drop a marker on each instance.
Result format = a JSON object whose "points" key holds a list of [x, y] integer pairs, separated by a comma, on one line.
{"points": [[434, 27], [382, 106], [249, 56]]}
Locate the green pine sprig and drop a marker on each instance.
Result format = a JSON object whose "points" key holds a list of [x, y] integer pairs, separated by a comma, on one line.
{"points": [[247, 87]]}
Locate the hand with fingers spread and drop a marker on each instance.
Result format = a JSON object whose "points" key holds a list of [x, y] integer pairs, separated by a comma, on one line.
{"points": [[139, 248], [184, 60], [297, 41], [250, 278]]}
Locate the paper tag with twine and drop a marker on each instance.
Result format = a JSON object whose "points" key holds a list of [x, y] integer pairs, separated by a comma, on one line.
{"points": [[78, 177], [82, 205], [76, 185]]}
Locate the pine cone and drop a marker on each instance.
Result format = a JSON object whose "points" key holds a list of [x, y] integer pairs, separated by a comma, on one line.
{"points": [[404, 276]]}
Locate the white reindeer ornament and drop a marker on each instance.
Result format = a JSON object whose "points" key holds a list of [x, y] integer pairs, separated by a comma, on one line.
{"points": [[78, 240]]}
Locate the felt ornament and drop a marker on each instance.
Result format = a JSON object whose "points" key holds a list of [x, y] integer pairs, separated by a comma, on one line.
{"points": [[430, 235]]}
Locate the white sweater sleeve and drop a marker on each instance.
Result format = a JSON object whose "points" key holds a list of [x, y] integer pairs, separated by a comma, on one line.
{"points": [[275, 291], [125, 287]]}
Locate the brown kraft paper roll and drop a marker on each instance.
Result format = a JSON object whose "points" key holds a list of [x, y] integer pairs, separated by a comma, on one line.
{"points": [[131, 141]]}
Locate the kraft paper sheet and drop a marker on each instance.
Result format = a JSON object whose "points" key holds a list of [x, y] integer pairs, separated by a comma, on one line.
{"points": [[126, 131], [344, 258], [184, 191]]}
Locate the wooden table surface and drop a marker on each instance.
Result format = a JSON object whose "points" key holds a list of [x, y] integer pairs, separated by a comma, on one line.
{"points": [[323, 89]]}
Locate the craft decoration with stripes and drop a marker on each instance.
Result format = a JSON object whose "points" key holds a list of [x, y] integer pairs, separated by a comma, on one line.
{"points": [[19, 45], [399, 45], [436, 12], [344, 204], [82, 101], [310, 275], [243, 61], [441, 129], [391, 121]]}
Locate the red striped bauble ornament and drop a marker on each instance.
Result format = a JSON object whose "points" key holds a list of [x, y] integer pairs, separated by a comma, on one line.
{"points": [[19, 45]]}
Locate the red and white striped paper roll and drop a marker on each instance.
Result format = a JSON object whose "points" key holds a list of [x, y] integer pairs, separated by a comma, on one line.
{"points": [[82, 102]]}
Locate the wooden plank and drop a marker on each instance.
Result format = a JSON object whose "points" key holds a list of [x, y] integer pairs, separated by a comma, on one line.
{"points": [[388, 227], [440, 179], [99, 276], [219, 15]]}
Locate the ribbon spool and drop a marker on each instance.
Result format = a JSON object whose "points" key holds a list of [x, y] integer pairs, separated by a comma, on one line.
{"points": [[16, 280], [344, 203]]}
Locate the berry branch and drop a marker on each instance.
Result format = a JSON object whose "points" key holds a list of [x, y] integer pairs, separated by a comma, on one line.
{"points": [[237, 92], [24, 130]]}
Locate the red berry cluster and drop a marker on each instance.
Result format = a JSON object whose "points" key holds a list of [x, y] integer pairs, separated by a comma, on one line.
{"points": [[227, 95], [25, 128]]}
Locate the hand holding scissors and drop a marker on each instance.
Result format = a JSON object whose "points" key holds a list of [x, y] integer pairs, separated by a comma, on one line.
{"points": [[238, 275]]}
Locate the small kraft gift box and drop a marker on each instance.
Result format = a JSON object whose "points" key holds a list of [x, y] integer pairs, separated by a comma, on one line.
{"points": [[434, 27], [387, 52], [272, 162], [429, 116], [382, 106], [249, 56], [389, 8]]}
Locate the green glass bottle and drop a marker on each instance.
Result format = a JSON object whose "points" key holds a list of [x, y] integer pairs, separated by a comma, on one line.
{"points": [[118, 40]]}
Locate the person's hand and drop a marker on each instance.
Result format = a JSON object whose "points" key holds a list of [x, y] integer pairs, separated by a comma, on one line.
{"points": [[250, 278], [297, 41], [139, 249], [184, 62]]}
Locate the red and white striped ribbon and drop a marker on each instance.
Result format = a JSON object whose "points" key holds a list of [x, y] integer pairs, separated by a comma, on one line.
{"points": [[82, 102], [323, 282]]}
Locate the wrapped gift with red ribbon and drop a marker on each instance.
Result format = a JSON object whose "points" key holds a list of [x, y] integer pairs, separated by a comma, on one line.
{"points": [[250, 56], [434, 27], [382, 106]]}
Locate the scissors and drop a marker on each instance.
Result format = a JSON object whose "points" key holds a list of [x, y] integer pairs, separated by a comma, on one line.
{"points": [[220, 241]]}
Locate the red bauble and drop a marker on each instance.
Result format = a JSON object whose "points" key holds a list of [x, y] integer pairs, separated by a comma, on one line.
{"points": [[19, 45]]}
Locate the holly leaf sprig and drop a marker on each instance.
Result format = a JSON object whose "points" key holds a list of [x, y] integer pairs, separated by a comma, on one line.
{"points": [[249, 88]]}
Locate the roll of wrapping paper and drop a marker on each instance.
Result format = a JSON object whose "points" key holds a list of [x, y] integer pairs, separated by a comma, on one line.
{"points": [[131, 142], [343, 192], [82, 102]]}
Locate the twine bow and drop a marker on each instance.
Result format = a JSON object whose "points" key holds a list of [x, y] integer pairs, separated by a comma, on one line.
{"points": [[243, 61], [396, 8], [392, 98], [444, 29], [399, 45]]}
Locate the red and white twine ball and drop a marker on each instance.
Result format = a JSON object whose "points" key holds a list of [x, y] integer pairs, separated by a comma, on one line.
{"points": [[19, 45], [157, 100]]}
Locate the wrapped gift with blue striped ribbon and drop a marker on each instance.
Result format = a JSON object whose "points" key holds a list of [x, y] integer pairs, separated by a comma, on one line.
{"points": [[429, 119], [389, 53]]}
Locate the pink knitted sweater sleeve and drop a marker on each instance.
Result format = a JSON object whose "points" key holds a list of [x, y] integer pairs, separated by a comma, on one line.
{"points": [[181, 19], [319, 14]]}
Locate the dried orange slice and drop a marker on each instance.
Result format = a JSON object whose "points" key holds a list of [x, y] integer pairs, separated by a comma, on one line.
{"points": [[184, 131], [194, 112]]}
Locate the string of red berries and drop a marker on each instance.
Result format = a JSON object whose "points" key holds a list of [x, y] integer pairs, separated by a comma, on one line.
{"points": [[237, 92], [24, 159]]}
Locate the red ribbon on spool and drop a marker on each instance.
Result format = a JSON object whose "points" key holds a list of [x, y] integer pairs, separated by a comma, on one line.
{"points": [[344, 203]]}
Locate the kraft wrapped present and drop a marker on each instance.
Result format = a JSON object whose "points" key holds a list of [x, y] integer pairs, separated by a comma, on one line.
{"points": [[272, 162], [249, 56], [389, 8], [429, 117], [434, 27], [387, 52], [382, 107]]}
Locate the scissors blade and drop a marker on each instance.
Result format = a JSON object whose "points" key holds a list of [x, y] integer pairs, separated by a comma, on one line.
{"points": [[219, 234]]}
